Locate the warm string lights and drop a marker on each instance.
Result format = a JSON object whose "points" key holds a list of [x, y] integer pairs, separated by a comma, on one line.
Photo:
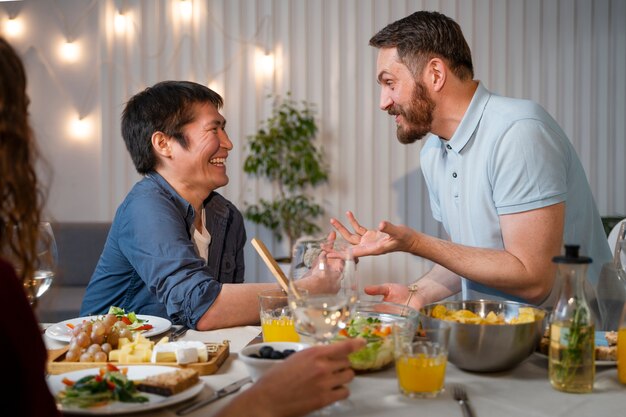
{"points": [[80, 126], [69, 51], [13, 27]]}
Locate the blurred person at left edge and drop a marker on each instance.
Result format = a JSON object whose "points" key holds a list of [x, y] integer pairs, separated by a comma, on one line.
{"points": [[21, 344]]}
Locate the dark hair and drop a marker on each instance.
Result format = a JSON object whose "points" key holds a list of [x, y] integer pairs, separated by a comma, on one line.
{"points": [[165, 107], [21, 198], [426, 35]]}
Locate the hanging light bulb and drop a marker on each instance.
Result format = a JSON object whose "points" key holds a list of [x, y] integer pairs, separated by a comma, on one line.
{"points": [[80, 128], [13, 27], [185, 9], [70, 51], [120, 22], [264, 62]]}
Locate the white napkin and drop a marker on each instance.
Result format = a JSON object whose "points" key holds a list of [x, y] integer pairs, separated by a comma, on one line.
{"points": [[239, 337]]}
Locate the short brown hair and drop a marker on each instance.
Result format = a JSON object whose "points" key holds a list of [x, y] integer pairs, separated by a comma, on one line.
{"points": [[426, 35]]}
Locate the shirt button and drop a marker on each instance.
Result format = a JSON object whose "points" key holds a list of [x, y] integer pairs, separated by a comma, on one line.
{"points": [[454, 175], [448, 146]]}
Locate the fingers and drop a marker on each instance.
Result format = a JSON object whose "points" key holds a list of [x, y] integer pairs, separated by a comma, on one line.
{"points": [[343, 231], [355, 224], [377, 290]]}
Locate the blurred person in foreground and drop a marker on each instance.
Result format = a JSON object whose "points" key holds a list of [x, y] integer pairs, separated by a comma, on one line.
{"points": [[21, 343], [502, 176], [175, 248], [308, 380]]}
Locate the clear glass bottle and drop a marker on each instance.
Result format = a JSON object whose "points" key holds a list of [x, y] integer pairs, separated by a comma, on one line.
{"points": [[572, 333]]}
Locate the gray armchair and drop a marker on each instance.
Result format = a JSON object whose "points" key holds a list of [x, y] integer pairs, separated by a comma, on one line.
{"points": [[79, 245]]}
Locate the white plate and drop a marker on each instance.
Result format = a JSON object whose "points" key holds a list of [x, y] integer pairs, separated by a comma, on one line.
{"points": [[134, 372], [598, 362], [62, 332]]}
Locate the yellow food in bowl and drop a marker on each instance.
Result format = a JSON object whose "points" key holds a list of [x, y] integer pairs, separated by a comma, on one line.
{"points": [[525, 315]]}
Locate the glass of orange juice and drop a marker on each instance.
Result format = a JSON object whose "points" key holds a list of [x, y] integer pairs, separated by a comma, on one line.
{"points": [[276, 319], [421, 360], [621, 348]]}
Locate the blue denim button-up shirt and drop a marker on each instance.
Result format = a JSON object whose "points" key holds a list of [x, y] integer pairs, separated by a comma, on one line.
{"points": [[149, 264]]}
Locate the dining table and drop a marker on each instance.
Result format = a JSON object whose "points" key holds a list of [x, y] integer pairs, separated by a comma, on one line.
{"points": [[523, 391]]}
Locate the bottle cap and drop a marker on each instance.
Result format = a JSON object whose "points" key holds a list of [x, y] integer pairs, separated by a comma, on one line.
{"points": [[571, 256]]}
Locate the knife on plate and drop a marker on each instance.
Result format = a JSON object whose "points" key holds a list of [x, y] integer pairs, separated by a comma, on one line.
{"points": [[228, 389]]}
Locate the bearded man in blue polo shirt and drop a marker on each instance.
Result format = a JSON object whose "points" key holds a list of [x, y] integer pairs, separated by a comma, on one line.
{"points": [[502, 176]]}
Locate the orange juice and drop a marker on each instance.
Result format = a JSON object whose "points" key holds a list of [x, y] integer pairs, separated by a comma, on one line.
{"points": [[279, 329], [421, 375], [621, 355]]}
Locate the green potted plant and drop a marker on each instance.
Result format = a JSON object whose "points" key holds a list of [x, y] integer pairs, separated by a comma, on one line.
{"points": [[283, 151]]}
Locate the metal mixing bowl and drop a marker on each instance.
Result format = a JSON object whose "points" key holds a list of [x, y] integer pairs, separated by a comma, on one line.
{"points": [[489, 347]]}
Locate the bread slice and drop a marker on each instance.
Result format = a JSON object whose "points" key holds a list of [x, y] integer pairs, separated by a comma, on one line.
{"points": [[606, 353], [611, 338], [169, 383]]}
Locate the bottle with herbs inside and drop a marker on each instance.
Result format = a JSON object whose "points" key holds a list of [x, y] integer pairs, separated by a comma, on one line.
{"points": [[572, 333]]}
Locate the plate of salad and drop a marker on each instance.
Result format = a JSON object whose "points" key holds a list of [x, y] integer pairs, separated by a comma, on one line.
{"points": [[111, 390], [148, 325]]}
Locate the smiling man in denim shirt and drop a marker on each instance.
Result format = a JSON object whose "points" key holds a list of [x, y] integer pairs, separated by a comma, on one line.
{"points": [[175, 248]]}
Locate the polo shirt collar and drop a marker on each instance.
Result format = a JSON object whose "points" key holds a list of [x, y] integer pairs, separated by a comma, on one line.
{"points": [[470, 120]]}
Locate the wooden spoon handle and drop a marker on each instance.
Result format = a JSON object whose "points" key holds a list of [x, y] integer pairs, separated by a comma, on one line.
{"points": [[271, 263]]}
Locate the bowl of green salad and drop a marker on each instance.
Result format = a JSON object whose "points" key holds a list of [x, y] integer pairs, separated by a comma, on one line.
{"points": [[373, 321]]}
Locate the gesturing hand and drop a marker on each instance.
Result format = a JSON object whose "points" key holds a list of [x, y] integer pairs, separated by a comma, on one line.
{"points": [[388, 237]]}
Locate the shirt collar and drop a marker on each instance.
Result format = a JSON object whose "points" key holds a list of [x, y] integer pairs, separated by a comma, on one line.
{"points": [[470, 120], [183, 205]]}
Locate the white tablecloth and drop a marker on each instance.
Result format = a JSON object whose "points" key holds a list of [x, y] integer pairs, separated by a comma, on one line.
{"points": [[524, 391]]}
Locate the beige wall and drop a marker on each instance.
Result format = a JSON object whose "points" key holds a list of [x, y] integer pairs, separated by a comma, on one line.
{"points": [[570, 56]]}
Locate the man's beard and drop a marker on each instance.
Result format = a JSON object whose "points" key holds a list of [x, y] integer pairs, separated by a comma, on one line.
{"points": [[418, 117]]}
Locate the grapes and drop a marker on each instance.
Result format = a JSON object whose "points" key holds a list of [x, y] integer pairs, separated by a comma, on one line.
{"points": [[93, 340]]}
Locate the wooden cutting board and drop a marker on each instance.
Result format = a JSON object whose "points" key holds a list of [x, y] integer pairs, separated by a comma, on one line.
{"points": [[218, 352]]}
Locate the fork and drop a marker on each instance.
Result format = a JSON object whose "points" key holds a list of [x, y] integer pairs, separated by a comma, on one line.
{"points": [[460, 394]]}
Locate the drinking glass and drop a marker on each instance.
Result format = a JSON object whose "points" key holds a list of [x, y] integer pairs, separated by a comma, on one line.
{"points": [[421, 358], [325, 308], [619, 257], [45, 264], [276, 318]]}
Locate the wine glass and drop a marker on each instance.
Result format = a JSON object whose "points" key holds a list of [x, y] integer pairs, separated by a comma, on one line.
{"points": [[619, 256], [45, 264], [327, 305]]}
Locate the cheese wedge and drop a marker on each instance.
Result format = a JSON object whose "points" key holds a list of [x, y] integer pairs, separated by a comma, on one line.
{"points": [[180, 352]]}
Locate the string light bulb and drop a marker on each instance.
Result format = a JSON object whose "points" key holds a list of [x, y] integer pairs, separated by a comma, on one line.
{"points": [[120, 22], [264, 62], [70, 51], [185, 9], [80, 128], [13, 27]]}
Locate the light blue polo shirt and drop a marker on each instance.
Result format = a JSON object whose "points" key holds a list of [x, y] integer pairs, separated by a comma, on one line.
{"points": [[509, 156]]}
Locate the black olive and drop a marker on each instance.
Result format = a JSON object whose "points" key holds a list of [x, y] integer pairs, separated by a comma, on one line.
{"points": [[277, 354], [266, 352]]}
